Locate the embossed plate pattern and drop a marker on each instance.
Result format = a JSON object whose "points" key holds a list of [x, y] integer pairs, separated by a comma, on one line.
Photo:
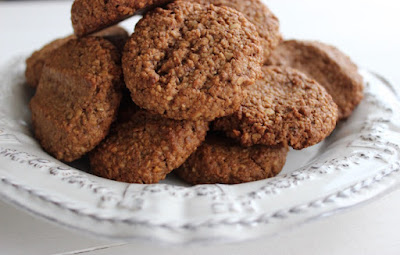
{"points": [[358, 162]]}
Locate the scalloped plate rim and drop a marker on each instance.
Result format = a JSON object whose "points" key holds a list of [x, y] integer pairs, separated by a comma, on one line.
{"points": [[386, 190]]}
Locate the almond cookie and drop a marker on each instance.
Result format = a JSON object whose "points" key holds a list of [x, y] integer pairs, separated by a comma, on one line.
{"points": [[266, 23], [283, 107], [328, 66], [34, 64], [77, 98], [89, 16], [192, 61], [146, 148], [220, 160]]}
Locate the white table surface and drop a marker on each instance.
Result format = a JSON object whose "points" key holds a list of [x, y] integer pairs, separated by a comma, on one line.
{"points": [[367, 30]]}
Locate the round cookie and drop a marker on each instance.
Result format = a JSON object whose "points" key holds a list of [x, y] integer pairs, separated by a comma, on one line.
{"points": [[146, 148], [284, 106], [190, 61], [220, 160], [89, 16], [266, 23], [328, 66], [34, 64], [77, 98]]}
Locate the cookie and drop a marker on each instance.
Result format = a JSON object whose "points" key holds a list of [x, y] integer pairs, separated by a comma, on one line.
{"points": [[220, 160], [146, 148], [327, 65], [77, 98], [266, 23], [192, 61], [89, 16], [34, 64], [284, 106]]}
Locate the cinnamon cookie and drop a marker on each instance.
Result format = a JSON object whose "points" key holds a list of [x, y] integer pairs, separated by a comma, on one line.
{"points": [[283, 107], [192, 61], [327, 65], [77, 98], [220, 160], [266, 23], [146, 148], [34, 64], [89, 16]]}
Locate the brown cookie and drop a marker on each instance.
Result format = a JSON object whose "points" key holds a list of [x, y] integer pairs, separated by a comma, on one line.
{"points": [[256, 12], [77, 98], [220, 160], [282, 107], [146, 148], [89, 16], [192, 61], [327, 65], [34, 64]]}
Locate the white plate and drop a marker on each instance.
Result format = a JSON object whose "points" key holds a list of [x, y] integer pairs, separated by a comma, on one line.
{"points": [[358, 162]]}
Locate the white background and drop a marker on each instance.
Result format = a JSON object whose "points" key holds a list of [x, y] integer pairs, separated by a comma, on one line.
{"points": [[366, 30]]}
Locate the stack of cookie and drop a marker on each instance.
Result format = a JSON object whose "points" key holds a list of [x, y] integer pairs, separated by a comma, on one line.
{"points": [[206, 88]]}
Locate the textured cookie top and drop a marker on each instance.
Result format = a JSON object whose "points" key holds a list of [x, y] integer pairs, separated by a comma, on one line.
{"points": [[283, 107], [146, 148], [77, 97], [220, 160], [89, 16], [267, 24], [190, 61], [34, 64], [327, 65]]}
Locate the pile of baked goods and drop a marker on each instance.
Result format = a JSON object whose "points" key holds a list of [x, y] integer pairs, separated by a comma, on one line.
{"points": [[205, 88]]}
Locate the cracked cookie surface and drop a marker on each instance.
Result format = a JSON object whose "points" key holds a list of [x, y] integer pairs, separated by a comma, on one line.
{"points": [[190, 61], [328, 66], [266, 23], [77, 98], [221, 160], [283, 107], [145, 148]]}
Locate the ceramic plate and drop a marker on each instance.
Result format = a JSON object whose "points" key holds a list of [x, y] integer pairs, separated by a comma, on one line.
{"points": [[357, 163]]}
